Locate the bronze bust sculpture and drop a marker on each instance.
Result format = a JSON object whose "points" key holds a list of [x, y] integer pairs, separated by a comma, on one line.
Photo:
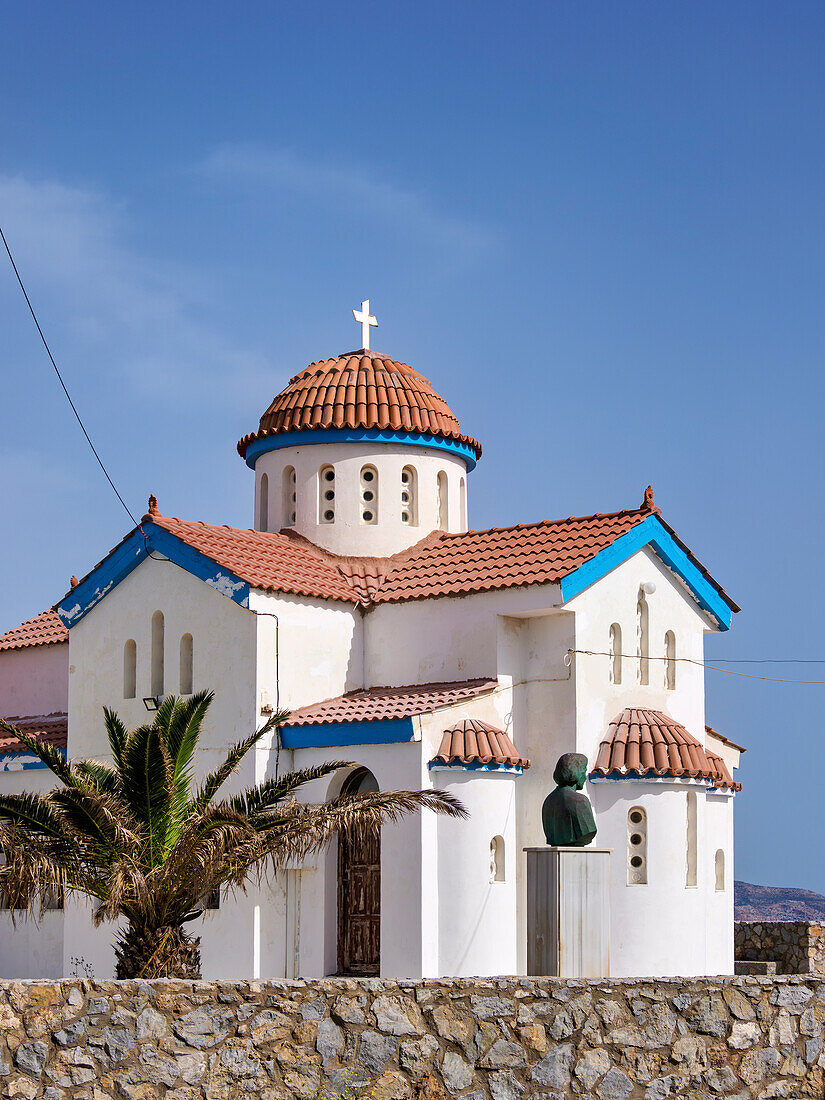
{"points": [[567, 816]]}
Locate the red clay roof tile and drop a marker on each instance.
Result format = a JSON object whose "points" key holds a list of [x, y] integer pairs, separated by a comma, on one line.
{"points": [[273, 562], [44, 629], [475, 742], [646, 742], [502, 557], [383, 703], [362, 389], [50, 728]]}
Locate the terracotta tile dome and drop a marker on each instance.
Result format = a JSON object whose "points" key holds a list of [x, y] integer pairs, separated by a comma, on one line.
{"points": [[361, 390]]}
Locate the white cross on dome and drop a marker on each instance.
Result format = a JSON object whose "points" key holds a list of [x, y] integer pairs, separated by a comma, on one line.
{"points": [[365, 320]]}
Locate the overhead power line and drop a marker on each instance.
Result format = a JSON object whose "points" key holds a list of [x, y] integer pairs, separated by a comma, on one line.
{"points": [[714, 667], [63, 384]]}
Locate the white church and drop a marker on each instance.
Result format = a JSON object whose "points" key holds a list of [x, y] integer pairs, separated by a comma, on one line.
{"points": [[426, 653]]}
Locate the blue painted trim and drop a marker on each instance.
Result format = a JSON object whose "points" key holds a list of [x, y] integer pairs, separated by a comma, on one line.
{"points": [[510, 769], [128, 556], [390, 731], [351, 435], [650, 532], [636, 777], [23, 761]]}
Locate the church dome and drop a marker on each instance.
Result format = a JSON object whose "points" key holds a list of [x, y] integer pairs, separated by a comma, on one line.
{"points": [[360, 391]]}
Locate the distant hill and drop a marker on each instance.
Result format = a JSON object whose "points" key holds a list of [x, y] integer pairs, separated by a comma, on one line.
{"points": [[776, 903]]}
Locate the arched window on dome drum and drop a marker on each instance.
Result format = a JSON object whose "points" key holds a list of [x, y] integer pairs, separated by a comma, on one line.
{"points": [[636, 846], [157, 654], [130, 669], [615, 654], [326, 494], [443, 501], [187, 654], [409, 496], [289, 493], [692, 840], [369, 495], [670, 660], [643, 639], [719, 869], [497, 864], [462, 501], [263, 504]]}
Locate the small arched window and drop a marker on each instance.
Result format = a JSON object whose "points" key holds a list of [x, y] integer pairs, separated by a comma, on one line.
{"points": [[691, 840], [670, 660], [409, 496], [443, 501], [157, 654], [186, 665], [636, 846], [263, 504], [615, 654], [719, 868], [643, 639], [497, 867], [326, 494], [289, 494], [130, 669], [369, 495], [462, 501]]}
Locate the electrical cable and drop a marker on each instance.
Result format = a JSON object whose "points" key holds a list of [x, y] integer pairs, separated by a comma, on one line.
{"points": [[711, 667], [63, 384]]}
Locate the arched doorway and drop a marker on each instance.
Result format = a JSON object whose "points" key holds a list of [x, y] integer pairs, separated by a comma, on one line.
{"points": [[359, 889]]}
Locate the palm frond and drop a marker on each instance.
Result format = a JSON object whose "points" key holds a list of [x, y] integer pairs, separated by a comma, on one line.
{"points": [[102, 777], [116, 732], [35, 812], [213, 782], [273, 791], [146, 785], [102, 818]]}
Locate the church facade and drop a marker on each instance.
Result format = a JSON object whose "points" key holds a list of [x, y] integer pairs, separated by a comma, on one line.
{"points": [[425, 654]]}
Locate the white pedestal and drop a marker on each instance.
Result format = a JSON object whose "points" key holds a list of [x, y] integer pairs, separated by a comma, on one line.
{"points": [[568, 912]]}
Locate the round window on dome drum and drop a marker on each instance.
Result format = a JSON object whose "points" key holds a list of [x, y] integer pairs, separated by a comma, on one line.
{"points": [[409, 496], [369, 495], [326, 494]]}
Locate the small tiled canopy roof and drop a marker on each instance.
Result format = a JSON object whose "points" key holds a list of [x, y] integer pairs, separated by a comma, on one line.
{"points": [[44, 629], [647, 742], [362, 389], [50, 728], [381, 704], [475, 742]]}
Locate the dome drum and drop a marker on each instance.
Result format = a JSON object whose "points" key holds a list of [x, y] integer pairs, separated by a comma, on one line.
{"points": [[360, 455]]}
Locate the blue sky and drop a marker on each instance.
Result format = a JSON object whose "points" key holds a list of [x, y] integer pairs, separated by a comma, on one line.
{"points": [[597, 228]]}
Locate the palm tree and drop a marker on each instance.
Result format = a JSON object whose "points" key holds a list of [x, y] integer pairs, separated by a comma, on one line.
{"points": [[147, 844]]}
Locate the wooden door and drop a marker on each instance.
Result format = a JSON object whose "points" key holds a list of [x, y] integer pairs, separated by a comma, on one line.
{"points": [[359, 902]]}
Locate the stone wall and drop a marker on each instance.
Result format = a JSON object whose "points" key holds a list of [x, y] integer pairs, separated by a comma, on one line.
{"points": [[797, 946], [484, 1039]]}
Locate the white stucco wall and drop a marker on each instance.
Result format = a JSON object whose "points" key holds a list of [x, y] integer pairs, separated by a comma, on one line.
{"points": [[34, 680], [307, 650], [477, 931], [665, 927], [348, 534], [224, 640]]}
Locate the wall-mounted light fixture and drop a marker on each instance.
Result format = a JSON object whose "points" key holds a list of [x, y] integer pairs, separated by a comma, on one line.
{"points": [[648, 587], [152, 702]]}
